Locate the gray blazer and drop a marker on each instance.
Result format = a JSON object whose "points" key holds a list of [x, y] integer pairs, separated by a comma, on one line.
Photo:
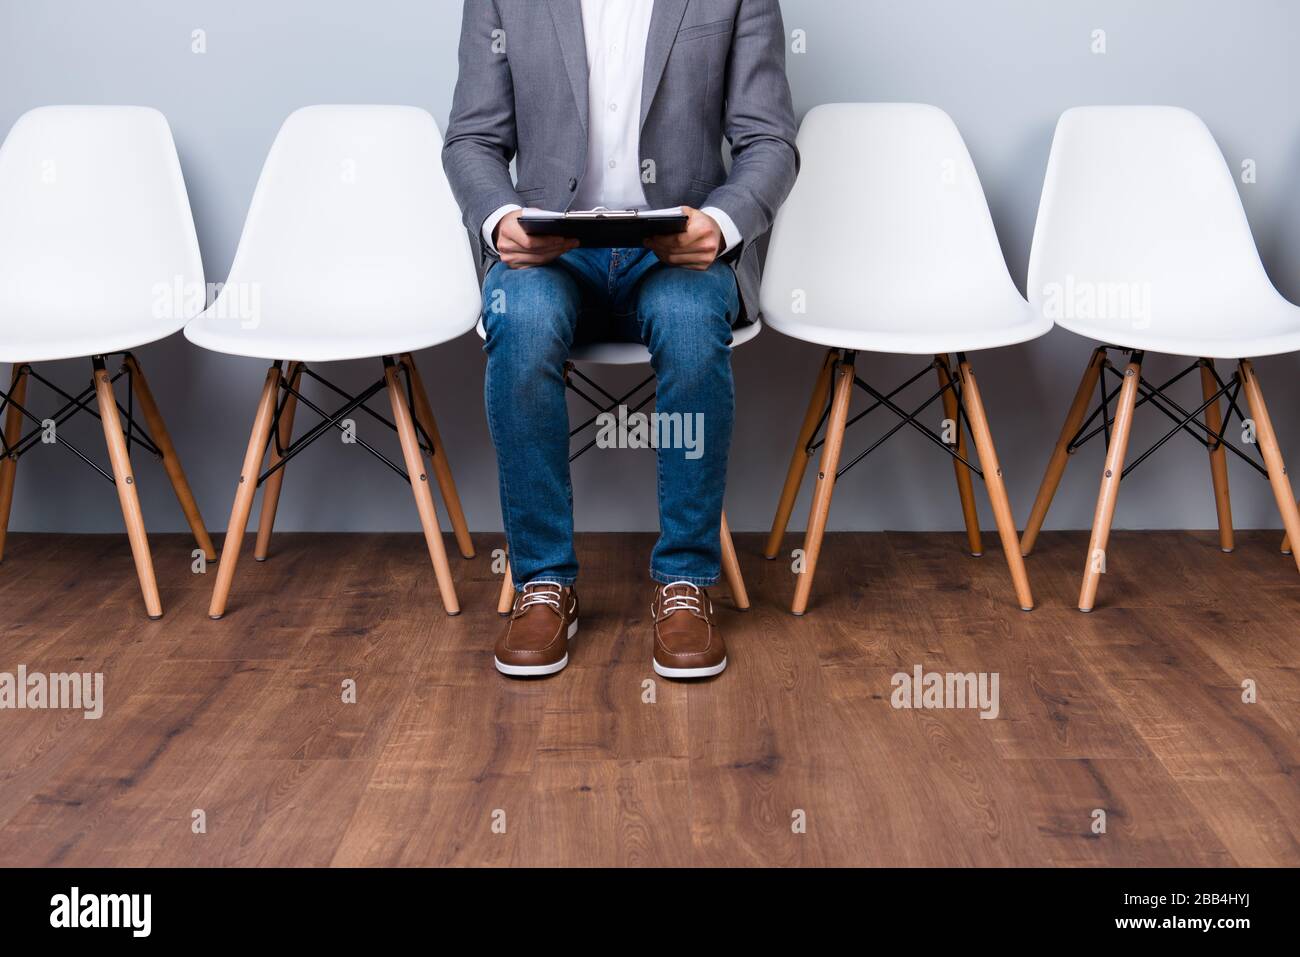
{"points": [[712, 68]]}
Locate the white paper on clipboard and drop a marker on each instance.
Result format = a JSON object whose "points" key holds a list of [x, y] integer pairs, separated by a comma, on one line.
{"points": [[600, 212]]}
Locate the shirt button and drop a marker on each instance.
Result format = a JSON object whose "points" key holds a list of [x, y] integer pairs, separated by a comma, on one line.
{"points": [[573, 184], [613, 107], [613, 164]]}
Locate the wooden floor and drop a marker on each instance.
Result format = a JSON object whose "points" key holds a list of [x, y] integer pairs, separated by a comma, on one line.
{"points": [[1135, 709]]}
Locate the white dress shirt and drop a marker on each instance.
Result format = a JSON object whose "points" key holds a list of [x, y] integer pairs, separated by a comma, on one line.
{"points": [[616, 33]]}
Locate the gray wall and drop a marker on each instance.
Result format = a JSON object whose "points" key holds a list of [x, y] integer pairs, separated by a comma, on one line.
{"points": [[1004, 69]]}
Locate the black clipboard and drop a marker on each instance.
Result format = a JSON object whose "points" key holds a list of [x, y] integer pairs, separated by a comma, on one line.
{"points": [[605, 228]]}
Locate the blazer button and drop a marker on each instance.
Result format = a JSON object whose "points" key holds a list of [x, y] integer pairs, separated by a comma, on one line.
{"points": [[573, 184]]}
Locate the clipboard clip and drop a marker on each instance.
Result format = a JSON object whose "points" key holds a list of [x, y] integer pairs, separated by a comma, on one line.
{"points": [[600, 212]]}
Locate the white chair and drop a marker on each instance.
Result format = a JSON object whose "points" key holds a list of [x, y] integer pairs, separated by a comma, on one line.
{"points": [[1142, 245], [630, 354], [353, 249], [98, 256], [886, 245]]}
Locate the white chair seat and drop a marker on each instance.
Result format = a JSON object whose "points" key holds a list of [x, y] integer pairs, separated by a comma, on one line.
{"points": [[97, 245], [907, 332], [1157, 254], [634, 353], [886, 243], [1273, 330], [85, 334], [328, 338], [353, 247]]}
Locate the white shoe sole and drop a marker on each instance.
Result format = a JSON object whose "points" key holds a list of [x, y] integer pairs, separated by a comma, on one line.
{"points": [[533, 671], [709, 672]]}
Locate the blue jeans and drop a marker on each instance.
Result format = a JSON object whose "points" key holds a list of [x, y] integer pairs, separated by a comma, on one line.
{"points": [[532, 318]]}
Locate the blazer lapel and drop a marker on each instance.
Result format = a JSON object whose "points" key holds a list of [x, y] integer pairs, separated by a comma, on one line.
{"points": [[573, 44], [664, 21]]}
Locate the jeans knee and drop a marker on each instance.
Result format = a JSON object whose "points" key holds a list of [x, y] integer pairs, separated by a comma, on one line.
{"points": [[686, 317], [529, 312]]}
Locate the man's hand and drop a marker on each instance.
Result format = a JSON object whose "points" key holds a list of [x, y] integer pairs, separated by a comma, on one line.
{"points": [[518, 250], [695, 248]]}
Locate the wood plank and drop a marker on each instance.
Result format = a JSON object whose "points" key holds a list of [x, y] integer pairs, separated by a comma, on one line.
{"points": [[1135, 709]]}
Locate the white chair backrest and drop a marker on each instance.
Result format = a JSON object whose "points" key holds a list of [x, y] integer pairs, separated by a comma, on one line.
{"points": [[353, 220], [1141, 227], [95, 223], [887, 226]]}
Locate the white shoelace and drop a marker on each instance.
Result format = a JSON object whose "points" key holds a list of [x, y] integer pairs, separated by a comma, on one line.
{"points": [[692, 601], [541, 596]]}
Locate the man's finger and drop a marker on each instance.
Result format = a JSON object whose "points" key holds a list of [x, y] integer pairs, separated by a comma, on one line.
{"points": [[689, 259], [674, 243], [532, 245], [543, 242], [705, 249], [539, 243]]}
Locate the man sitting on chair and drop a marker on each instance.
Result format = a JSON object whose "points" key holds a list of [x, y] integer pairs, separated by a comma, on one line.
{"points": [[621, 104]]}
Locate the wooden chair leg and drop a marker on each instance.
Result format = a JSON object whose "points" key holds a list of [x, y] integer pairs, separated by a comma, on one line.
{"points": [[13, 432], [420, 486], [821, 503], [965, 488], [170, 460], [441, 467], [506, 600], [1061, 454], [126, 492], [799, 461], [245, 492], [731, 569], [1218, 457], [1121, 429], [1272, 452], [997, 489], [275, 481]]}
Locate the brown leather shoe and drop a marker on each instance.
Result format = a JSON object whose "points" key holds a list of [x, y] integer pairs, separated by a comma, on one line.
{"points": [[543, 622], [687, 642]]}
